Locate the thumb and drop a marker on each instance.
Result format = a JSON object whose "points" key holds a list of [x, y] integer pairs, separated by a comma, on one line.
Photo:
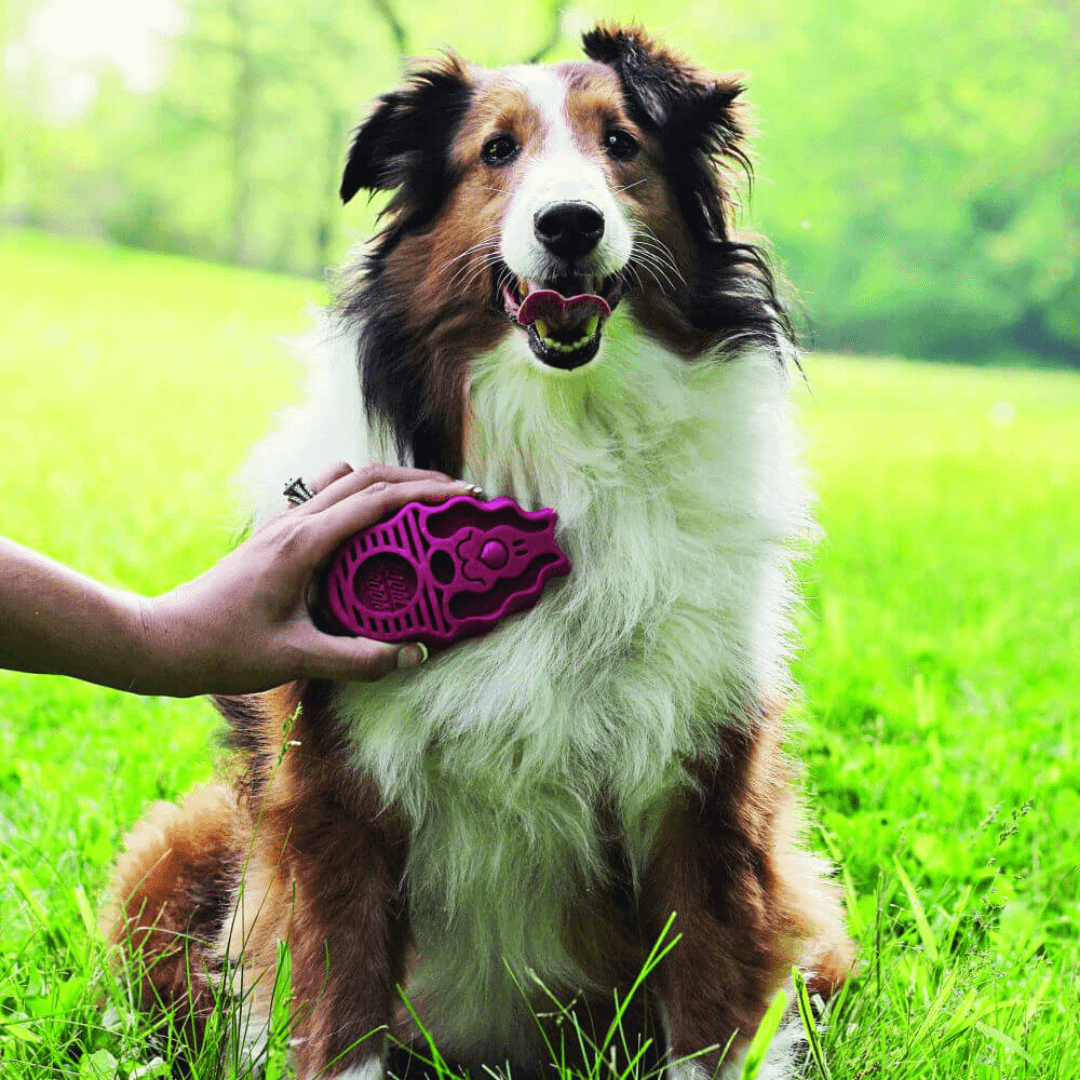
{"points": [[361, 659]]}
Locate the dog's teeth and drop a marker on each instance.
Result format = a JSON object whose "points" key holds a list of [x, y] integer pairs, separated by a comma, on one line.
{"points": [[588, 332]]}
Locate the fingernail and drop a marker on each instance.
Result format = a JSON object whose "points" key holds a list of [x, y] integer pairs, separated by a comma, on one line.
{"points": [[412, 656], [477, 491]]}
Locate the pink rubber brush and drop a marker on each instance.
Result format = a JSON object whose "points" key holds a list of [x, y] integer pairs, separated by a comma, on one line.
{"points": [[437, 574]]}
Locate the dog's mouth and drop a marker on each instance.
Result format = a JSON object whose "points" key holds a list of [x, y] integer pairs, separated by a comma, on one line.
{"points": [[564, 317]]}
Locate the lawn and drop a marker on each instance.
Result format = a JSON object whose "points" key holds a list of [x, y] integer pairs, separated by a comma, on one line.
{"points": [[941, 673]]}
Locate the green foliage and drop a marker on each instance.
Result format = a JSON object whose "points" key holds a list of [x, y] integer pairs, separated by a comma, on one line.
{"points": [[756, 1052], [918, 167], [939, 722]]}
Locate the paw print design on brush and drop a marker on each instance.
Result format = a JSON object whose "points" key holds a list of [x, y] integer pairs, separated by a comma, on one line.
{"points": [[438, 574]]}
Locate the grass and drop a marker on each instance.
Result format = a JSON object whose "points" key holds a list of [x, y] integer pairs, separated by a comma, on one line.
{"points": [[941, 669]]}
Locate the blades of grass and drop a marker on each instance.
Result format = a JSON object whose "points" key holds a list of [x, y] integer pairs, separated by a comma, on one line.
{"points": [[18, 878], [632, 1063], [806, 1014], [564, 1011], [277, 1039], [151, 1070], [839, 1000], [436, 1061], [941, 999], [327, 1069], [851, 895], [1007, 1041], [86, 913], [656, 954], [922, 923], [20, 1032], [630, 1056], [955, 923], [963, 1016], [763, 1037], [598, 1056]]}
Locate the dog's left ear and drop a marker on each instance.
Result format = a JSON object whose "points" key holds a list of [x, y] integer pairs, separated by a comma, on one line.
{"points": [[404, 142], [666, 92]]}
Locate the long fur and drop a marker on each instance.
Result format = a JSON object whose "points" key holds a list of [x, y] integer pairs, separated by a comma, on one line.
{"points": [[528, 807]]}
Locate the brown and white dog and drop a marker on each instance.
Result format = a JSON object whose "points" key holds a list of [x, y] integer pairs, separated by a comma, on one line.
{"points": [[527, 809]]}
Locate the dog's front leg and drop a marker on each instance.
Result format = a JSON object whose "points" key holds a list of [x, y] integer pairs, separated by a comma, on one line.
{"points": [[725, 862], [325, 875], [348, 942]]}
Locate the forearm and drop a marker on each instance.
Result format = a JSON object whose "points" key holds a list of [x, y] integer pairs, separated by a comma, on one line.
{"points": [[56, 621], [241, 627]]}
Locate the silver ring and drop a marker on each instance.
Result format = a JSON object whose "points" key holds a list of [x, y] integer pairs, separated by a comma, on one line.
{"points": [[297, 492]]}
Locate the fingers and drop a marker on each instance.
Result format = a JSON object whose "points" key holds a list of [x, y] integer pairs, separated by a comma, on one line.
{"points": [[325, 477], [359, 659], [340, 482], [370, 505]]}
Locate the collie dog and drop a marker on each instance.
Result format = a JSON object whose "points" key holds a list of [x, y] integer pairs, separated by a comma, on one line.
{"points": [[516, 821]]}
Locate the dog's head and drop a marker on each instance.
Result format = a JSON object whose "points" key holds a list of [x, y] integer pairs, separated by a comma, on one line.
{"points": [[528, 204]]}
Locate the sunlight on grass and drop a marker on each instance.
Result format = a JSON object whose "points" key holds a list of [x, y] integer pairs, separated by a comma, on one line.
{"points": [[942, 629]]}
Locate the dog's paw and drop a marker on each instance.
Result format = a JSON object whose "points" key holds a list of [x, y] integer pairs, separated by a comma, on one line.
{"points": [[372, 1069], [687, 1070]]}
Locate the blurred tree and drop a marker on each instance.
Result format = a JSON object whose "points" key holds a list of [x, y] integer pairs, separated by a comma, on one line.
{"points": [[921, 172], [242, 129], [919, 167]]}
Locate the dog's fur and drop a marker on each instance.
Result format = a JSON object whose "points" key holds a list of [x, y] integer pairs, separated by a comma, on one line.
{"points": [[529, 808]]}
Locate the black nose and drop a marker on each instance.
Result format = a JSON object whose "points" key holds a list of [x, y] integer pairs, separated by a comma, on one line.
{"points": [[570, 229]]}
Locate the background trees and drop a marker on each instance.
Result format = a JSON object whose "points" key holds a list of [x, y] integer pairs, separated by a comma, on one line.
{"points": [[917, 169]]}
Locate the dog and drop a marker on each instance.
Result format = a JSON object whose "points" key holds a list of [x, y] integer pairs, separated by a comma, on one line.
{"points": [[450, 850]]}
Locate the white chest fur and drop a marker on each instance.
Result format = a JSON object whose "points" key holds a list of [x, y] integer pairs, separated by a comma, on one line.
{"points": [[680, 498]]}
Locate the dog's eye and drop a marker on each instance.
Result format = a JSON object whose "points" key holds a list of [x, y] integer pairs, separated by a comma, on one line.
{"points": [[499, 150], [620, 145]]}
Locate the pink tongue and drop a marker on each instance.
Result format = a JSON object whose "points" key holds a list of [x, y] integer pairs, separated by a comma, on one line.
{"points": [[556, 309]]}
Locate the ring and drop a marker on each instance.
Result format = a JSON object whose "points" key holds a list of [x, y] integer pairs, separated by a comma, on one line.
{"points": [[297, 492]]}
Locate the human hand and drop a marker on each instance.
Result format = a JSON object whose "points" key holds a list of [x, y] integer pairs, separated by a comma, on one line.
{"points": [[244, 625]]}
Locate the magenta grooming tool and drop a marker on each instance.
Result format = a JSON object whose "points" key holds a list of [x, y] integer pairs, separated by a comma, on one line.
{"points": [[438, 574]]}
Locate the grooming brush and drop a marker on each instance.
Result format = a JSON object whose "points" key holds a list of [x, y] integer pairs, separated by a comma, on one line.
{"points": [[437, 574]]}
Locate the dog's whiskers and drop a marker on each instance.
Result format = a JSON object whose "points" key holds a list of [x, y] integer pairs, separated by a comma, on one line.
{"points": [[491, 241], [656, 257], [648, 239], [650, 262], [476, 264], [476, 268]]}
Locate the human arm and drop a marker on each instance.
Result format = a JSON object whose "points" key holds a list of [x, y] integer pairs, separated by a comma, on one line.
{"points": [[241, 627]]}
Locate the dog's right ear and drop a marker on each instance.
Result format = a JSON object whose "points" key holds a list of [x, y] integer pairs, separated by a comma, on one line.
{"points": [[404, 143]]}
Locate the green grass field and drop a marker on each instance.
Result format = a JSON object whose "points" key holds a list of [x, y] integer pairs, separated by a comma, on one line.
{"points": [[941, 716]]}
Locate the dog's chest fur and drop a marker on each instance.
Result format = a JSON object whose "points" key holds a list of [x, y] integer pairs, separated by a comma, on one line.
{"points": [[679, 498]]}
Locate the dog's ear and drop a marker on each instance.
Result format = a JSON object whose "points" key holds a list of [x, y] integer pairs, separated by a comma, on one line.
{"points": [[694, 114], [667, 92], [404, 143]]}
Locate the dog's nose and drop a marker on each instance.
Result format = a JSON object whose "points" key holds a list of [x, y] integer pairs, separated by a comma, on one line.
{"points": [[569, 229]]}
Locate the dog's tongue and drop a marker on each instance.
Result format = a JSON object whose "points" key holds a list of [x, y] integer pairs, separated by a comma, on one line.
{"points": [[558, 311]]}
